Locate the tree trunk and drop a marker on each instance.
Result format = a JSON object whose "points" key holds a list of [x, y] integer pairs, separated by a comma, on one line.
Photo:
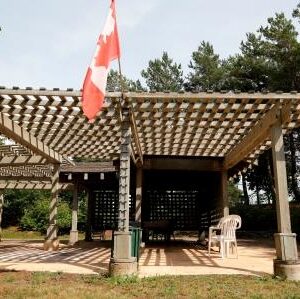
{"points": [[245, 190], [294, 184]]}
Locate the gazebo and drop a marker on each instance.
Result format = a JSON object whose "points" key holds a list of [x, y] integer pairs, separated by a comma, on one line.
{"points": [[146, 140]]}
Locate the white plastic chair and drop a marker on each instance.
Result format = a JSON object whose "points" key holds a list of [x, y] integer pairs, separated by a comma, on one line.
{"points": [[227, 227]]}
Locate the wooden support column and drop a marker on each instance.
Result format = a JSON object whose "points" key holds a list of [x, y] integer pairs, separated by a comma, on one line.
{"points": [[1, 211], [138, 195], [286, 265], [224, 193], [122, 263], [74, 231], [124, 178], [51, 241], [88, 229]]}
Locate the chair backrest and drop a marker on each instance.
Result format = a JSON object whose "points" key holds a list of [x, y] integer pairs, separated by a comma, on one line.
{"points": [[229, 224], [219, 225]]}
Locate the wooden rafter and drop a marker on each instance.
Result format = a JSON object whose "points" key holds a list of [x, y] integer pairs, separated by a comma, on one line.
{"points": [[257, 134], [22, 161], [134, 131], [32, 185], [21, 136]]}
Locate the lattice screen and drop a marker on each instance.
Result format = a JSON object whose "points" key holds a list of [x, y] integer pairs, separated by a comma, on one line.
{"points": [[179, 206], [105, 209], [105, 204]]}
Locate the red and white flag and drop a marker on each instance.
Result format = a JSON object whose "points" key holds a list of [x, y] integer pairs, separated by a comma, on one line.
{"points": [[95, 80]]}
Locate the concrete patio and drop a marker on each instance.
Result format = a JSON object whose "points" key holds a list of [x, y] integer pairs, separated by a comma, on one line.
{"points": [[178, 258]]}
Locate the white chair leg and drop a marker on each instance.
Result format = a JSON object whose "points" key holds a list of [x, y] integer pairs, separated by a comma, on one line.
{"points": [[236, 250], [222, 248]]}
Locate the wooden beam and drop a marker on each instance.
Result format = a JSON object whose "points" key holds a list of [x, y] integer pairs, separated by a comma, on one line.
{"points": [[22, 161], [25, 178], [256, 136], [21, 136], [193, 164], [47, 92], [132, 154], [136, 136], [210, 95], [76, 94], [33, 185]]}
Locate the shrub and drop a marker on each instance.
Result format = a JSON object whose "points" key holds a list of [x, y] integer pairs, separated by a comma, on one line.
{"points": [[263, 217], [36, 218], [16, 202]]}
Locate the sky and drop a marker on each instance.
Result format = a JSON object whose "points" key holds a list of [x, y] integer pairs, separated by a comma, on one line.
{"points": [[51, 43]]}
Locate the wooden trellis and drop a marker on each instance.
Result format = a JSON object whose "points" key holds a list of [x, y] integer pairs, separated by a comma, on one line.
{"points": [[206, 124]]}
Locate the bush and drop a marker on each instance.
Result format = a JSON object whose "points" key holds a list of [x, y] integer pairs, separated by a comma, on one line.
{"points": [[16, 202], [36, 218], [263, 217]]}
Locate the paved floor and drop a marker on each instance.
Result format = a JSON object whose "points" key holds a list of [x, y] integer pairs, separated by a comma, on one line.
{"points": [[180, 258]]}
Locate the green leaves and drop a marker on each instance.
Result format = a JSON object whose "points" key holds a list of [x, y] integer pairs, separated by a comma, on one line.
{"points": [[115, 83], [163, 74], [207, 71]]}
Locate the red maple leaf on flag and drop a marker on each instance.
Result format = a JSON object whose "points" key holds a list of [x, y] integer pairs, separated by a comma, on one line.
{"points": [[108, 49]]}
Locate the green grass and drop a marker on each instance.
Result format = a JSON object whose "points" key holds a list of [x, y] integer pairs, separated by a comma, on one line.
{"points": [[14, 232], [58, 285]]}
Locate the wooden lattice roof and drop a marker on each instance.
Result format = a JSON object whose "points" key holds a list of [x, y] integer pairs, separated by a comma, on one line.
{"points": [[206, 124]]}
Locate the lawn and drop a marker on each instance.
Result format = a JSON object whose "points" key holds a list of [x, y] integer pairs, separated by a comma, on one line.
{"points": [[57, 285], [13, 232]]}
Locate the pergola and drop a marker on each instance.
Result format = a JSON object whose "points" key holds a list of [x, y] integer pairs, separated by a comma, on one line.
{"points": [[216, 131]]}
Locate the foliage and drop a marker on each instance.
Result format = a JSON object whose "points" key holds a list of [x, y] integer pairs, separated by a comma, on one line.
{"points": [[260, 177], [263, 217], [36, 217], [163, 74], [16, 201], [114, 83], [234, 194], [207, 69], [256, 218], [67, 197]]}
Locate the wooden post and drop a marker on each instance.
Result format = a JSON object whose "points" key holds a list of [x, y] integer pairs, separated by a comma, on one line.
{"points": [[124, 179], [74, 231], [282, 204], [51, 242], [224, 193], [138, 195], [286, 264], [88, 229], [122, 263], [1, 211]]}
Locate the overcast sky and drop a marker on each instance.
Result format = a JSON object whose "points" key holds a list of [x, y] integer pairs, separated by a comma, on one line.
{"points": [[51, 43]]}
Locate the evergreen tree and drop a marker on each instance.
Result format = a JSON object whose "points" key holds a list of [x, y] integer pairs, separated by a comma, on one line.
{"points": [[163, 74], [114, 83], [207, 70]]}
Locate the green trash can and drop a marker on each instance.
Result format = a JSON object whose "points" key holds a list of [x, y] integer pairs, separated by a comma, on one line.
{"points": [[136, 239]]}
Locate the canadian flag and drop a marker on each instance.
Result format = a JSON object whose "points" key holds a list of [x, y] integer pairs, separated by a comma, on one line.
{"points": [[95, 80]]}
